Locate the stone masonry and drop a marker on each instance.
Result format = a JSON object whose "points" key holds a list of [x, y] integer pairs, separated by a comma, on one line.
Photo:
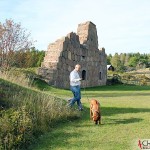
{"points": [[75, 48]]}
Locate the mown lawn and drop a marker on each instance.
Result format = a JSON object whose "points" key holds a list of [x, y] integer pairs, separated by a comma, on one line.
{"points": [[125, 119]]}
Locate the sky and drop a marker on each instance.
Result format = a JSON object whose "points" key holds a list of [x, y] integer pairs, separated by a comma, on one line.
{"points": [[123, 26]]}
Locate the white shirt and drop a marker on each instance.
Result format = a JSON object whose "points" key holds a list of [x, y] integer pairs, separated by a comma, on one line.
{"points": [[74, 78]]}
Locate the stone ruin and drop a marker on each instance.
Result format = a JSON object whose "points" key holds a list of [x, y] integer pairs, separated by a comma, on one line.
{"points": [[75, 48]]}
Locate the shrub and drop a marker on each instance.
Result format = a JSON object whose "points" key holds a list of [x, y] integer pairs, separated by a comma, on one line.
{"points": [[114, 79], [15, 128]]}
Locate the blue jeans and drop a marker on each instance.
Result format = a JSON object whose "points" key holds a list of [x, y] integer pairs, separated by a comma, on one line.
{"points": [[77, 96]]}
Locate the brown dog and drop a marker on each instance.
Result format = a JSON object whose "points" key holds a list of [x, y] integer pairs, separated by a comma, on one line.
{"points": [[95, 113]]}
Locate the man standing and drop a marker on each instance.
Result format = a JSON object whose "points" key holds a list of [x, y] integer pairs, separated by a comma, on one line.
{"points": [[75, 82]]}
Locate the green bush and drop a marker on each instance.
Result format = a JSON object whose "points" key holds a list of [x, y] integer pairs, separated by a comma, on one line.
{"points": [[15, 128], [136, 79], [113, 79]]}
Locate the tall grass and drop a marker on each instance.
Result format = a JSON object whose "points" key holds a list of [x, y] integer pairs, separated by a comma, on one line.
{"points": [[18, 77], [26, 113]]}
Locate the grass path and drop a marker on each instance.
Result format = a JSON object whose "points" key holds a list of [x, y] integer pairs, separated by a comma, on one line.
{"points": [[125, 118]]}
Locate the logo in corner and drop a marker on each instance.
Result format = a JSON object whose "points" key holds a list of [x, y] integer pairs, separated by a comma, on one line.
{"points": [[144, 144]]}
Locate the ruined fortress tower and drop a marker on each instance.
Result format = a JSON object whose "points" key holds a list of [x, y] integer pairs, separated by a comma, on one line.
{"points": [[75, 48]]}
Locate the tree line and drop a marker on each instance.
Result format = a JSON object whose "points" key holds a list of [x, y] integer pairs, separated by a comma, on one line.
{"points": [[29, 58], [16, 47], [17, 50], [128, 61], [24, 59]]}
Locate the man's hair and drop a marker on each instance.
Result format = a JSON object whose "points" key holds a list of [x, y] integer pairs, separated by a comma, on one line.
{"points": [[77, 65]]}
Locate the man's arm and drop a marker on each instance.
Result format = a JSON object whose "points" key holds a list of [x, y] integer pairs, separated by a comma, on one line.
{"points": [[73, 77]]}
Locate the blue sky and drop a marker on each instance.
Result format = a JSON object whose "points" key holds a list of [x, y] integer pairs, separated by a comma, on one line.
{"points": [[122, 25]]}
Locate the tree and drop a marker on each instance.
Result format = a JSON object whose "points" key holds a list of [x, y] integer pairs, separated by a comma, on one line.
{"points": [[122, 58], [115, 61], [109, 57], [133, 61], [1, 34], [41, 57], [12, 38], [127, 57], [1, 30]]}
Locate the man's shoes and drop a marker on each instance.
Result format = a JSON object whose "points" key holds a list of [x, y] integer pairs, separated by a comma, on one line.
{"points": [[80, 109], [68, 100]]}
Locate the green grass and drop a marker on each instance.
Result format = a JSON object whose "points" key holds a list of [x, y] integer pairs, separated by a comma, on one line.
{"points": [[26, 113], [125, 118]]}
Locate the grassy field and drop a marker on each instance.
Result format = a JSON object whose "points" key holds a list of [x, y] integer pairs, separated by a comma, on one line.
{"points": [[125, 119], [26, 113]]}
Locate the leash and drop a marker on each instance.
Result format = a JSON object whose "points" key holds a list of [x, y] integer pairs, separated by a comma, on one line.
{"points": [[85, 92]]}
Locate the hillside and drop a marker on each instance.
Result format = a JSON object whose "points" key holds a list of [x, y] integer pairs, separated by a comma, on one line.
{"points": [[26, 113]]}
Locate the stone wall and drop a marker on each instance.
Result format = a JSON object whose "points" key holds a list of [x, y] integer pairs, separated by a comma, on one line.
{"points": [[81, 48]]}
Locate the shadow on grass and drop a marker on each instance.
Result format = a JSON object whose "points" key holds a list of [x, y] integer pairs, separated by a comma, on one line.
{"points": [[114, 94], [55, 140], [121, 87], [109, 111], [58, 136], [124, 121]]}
